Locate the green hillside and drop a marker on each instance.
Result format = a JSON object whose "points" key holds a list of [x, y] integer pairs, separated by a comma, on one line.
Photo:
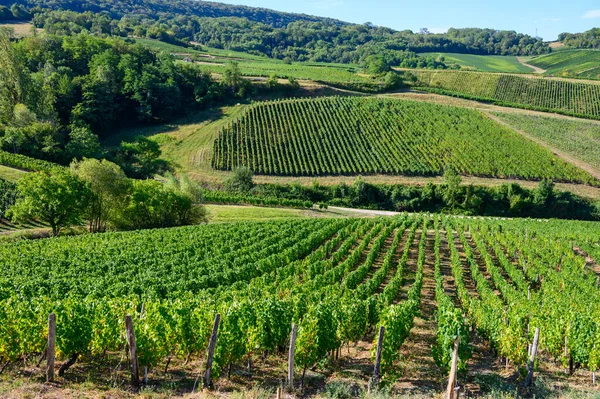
{"points": [[580, 99], [570, 63], [484, 63], [351, 136], [576, 137]]}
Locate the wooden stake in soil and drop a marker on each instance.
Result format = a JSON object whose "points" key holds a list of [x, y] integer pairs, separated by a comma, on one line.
{"points": [[50, 355], [377, 370], [211, 352], [290, 379], [279, 393], [135, 372], [536, 339], [451, 393]]}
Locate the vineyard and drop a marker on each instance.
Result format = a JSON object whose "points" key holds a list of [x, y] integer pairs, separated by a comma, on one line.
{"points": [[579, 63], [338, 280], [350, 136], [483, 63], [8, 196], [23, 162], [580, 99], [577, 137]]}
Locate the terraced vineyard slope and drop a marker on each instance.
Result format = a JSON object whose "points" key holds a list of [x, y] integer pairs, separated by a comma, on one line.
{"points": [[351, 136], [580, 99]]}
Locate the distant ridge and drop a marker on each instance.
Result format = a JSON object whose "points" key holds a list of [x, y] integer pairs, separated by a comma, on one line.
{"points": [[154, 9]]}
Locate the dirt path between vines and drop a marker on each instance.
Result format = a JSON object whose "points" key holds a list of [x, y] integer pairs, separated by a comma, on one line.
{"points": [[536, 70], [419, 372]]}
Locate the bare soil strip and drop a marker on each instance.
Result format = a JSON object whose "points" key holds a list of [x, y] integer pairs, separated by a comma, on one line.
{"points": [[536, 70]]}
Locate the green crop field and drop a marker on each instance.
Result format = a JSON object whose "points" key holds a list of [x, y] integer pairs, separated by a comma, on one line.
{"points": [[570, 63], [577, 137], [545, 94], [350, 135], [338, 280], [484, 63]]}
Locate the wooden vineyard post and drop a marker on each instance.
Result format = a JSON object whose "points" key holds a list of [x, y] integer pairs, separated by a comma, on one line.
{"points": [[135, 372], [211, 351], [377, 370], [290, 376], [279, 392], [50, 354], [536, 339], [451, 392]]}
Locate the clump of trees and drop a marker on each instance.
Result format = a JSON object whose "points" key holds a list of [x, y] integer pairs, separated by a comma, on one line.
{"points": [[16, 12], [587, 39], [99, 194]]}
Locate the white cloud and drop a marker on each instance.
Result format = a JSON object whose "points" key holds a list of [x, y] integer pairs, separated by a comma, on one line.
{"points": [[591, 14]]}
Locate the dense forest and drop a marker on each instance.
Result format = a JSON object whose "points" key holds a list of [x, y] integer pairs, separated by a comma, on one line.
{"points": [[155, 9], [60, 94], [587, 39], [277, 35]]}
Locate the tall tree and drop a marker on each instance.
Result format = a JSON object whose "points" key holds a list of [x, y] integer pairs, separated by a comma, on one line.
{"points": [[110, 187], [58, 198], [11, 77]]}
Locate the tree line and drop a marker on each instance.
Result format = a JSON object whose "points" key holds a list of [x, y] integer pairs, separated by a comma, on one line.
{"points": [[451, 197], [298, 38], [587, 39]]}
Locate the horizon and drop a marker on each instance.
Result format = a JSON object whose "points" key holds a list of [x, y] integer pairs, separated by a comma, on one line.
{"points": [[547, 19]]}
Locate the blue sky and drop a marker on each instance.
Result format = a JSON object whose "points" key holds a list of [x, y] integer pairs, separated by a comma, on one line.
{"points": [[550, 17]]}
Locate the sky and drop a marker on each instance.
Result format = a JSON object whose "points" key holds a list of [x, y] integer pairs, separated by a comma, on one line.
{"points": [[549, 17]]}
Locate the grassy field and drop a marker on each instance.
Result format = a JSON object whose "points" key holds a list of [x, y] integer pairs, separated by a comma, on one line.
{"points": [[11, 174], [570, 63], [240, 213], [484, 63], [21, 29]]}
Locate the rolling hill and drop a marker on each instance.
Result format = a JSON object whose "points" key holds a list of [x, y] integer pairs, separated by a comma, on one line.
{"points": [[570, 63], [353, 136], [483, 63], [576, 98]]}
